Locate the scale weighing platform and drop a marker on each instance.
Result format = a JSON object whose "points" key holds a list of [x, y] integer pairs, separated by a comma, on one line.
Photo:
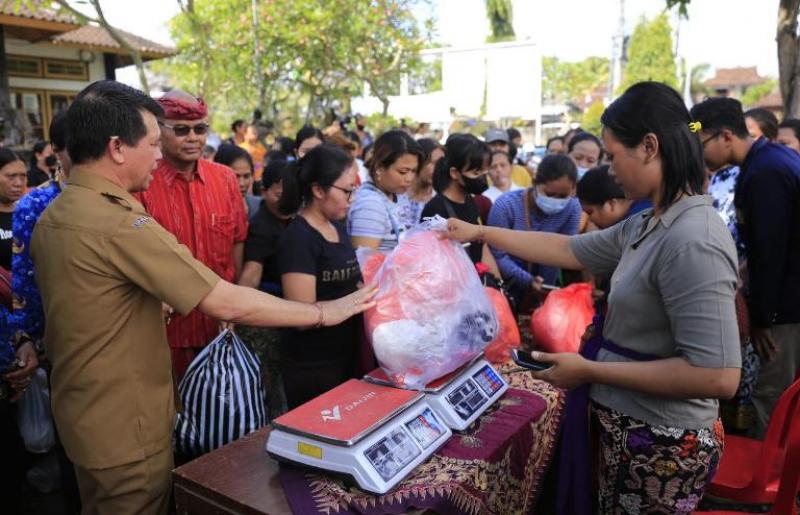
{"points": [[460, 397], [374, 433]]}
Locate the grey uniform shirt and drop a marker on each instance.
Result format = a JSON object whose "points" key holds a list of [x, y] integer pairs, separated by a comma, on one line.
{"points": [[672, 294]]}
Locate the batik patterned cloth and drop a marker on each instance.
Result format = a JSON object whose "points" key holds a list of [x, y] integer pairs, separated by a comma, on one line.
{"points": [[653, 469], [27, 319], [494, 467]]}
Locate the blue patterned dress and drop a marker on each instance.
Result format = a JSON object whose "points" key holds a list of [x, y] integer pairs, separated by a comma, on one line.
{"points": [[27, 319], [722, 189]]}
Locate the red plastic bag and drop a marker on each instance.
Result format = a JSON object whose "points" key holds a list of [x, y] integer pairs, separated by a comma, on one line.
{"points": [[558, 325], [499, 351]]}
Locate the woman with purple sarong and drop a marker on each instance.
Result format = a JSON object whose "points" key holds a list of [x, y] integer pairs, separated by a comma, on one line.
{"points": [[668, 348]]}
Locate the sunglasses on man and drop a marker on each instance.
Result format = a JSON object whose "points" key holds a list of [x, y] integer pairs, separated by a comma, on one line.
{"points": [[182, 130]]}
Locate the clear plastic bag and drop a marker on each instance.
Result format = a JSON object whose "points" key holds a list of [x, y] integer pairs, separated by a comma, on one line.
{"points": [[432, 313], [34, 417]]}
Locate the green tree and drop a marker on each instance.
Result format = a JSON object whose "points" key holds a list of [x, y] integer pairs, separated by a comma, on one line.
{"points": [[755, 93], [501, 16], [650, 54], [310, 57], [697, 78], [569, 82], [590, 121]]}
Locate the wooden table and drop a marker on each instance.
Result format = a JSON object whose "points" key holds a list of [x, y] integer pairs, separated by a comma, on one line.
{"points": [[240, 479]]}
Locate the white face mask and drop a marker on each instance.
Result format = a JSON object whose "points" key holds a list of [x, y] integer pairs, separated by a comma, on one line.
{"points": [[551, 205], [582, 171]]}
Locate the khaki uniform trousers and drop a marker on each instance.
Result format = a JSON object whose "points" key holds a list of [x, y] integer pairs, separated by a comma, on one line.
{"points": [[142, 487]]}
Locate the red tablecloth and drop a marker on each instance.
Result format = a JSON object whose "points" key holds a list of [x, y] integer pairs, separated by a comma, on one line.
{"points": [[495, 466]]}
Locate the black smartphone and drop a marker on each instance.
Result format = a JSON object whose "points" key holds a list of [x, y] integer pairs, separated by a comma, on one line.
{"points": [[525, 360]]}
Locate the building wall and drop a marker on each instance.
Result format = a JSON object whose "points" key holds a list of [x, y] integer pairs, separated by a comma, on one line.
{"points": [[38, 99], [496, 82], [19, 47]]}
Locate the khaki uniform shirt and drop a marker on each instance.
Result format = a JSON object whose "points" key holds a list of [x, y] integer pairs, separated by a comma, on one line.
{"points": [[104, 266]]}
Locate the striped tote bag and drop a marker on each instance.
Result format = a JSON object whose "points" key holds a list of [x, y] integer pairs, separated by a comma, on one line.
{"points": [[222, 396]]}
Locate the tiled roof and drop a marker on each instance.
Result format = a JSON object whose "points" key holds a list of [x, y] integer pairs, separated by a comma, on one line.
{"points": [[44, 10], [98, 37], [726, 77]]}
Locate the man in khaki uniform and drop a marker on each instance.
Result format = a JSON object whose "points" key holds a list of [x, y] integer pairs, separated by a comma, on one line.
{"points": [[104, 267]]}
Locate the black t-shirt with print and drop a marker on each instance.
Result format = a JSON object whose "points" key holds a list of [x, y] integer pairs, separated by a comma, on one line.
{"points": [[315, 360], [468, 212], [6, 240]]}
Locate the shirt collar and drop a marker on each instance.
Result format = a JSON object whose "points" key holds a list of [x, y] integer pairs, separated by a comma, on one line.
{"points": [[673, 213], [756, 147], [102, 186], [171, 173], [686, 203]]}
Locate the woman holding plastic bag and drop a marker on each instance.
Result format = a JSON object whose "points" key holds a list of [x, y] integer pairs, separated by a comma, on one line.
{"points": [[669, 347]]}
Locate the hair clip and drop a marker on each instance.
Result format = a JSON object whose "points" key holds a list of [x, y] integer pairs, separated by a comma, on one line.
{"points": [[695, 126]]}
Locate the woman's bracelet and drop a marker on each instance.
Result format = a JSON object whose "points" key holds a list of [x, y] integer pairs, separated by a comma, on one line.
{"points": [[482, 233], [321, 319]]}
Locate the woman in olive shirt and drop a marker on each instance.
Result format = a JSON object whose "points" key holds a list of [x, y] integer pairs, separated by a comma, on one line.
{"points": [[669, 347]]}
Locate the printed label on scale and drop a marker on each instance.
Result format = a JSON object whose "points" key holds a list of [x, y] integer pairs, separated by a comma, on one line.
{"points": [[391, 453], [466, 399]]}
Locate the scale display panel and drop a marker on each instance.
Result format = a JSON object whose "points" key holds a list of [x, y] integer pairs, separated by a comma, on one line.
{"points": [[488, 380], [466, 399], [391, 453], [468, 395], [426, 428]]}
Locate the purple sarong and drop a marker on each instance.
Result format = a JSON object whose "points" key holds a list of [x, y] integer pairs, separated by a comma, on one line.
{"points": [[574, 492]]}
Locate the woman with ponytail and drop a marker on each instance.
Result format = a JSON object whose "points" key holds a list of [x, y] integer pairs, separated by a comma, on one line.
{"points": [[317, 262], [668, 348], [458, 176]]}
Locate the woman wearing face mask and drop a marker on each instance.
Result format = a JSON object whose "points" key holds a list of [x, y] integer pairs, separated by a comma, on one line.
{"points": [[586, 151], [459, 175], [317, 263], [549, 206], [374, 221], [411, 203]]}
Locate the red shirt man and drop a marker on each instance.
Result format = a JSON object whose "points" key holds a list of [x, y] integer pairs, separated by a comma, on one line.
{"points": [[199, 202]]}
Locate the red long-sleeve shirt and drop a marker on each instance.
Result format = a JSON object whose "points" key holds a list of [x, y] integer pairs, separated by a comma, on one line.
{"points": [[207, 215]]}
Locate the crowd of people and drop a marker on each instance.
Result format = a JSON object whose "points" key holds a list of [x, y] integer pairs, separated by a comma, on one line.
{"points": [[136, 244]]}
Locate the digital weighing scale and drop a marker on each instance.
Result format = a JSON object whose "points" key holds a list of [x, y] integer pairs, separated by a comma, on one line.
{"points": [[460, 397], [377, 434]]}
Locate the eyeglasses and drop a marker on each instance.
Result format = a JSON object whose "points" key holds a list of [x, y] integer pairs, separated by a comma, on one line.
{"points": [[183, 130], [713, 136], [348, 192]]}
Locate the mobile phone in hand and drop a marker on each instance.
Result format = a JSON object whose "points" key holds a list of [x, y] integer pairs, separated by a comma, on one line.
{"points": [[550, 287], [525, 360]]}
